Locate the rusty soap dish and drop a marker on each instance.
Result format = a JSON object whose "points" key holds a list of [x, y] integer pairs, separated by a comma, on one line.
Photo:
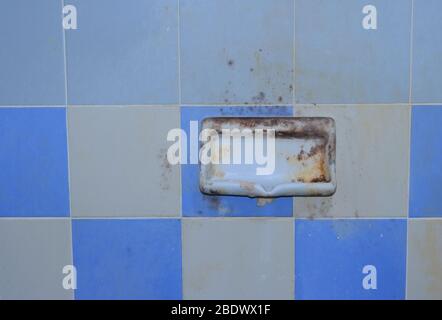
{"points": [[304, 157]]}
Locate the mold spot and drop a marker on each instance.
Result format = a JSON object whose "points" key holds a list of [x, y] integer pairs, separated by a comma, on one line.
{"points": [[259, 98], [216, 204], [345, 229]]}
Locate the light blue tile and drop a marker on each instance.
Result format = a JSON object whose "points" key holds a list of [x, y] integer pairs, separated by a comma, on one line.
{"points": [[427, 51], [33, 162], [330, 256], [426, 162], [127, 259], [195, 203], [31, 54], [123, 52], [236, 51], [337, 61]]}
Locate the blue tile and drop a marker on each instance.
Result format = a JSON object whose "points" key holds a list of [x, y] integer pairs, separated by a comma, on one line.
{"points": [[338, 61], [127, 259], [123, 52], [236, 51], [426, 162], [194, 203], [31, 55], [33, 158], [427, 51], [331, 254]]}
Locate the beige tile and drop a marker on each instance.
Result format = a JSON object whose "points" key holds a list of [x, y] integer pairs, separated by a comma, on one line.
{"points": [[33, 253], [424, 275], [118, 164], [238, 258], [371, 162]]}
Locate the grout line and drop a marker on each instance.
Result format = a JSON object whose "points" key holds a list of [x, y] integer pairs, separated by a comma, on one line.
{"points": [[123, 105], [34, 218], [216, 218], [209, 105], [410, 85], [223, 218], [33, 106], [125, 218], [313, 105], [179, 98], [417, 104], [180, 167], [181, 217], [294, 56], [409, 147], [219, 218], [293, 110], [179, 51], [352, 218], [177, 104], [67, 142], [425, 218]]}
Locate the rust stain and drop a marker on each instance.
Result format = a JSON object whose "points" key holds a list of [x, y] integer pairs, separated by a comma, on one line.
{"points": [[248, 186], [284, 127], [219, 174], [314, 165], [314, 171], [261, 202]]}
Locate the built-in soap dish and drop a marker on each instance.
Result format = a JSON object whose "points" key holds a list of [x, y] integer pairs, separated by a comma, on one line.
{"points": [[304, 156]]}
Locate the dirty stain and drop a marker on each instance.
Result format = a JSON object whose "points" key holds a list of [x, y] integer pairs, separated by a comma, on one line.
{"points": [[248, 186], [431, 249], [267, 80], [219, 174], [345, 229], [166, 170], [216, 204], [261, 202], [319, 207], [259, 98]]}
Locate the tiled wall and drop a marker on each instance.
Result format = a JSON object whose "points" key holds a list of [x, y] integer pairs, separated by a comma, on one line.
{"points": [[84, 178]]}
